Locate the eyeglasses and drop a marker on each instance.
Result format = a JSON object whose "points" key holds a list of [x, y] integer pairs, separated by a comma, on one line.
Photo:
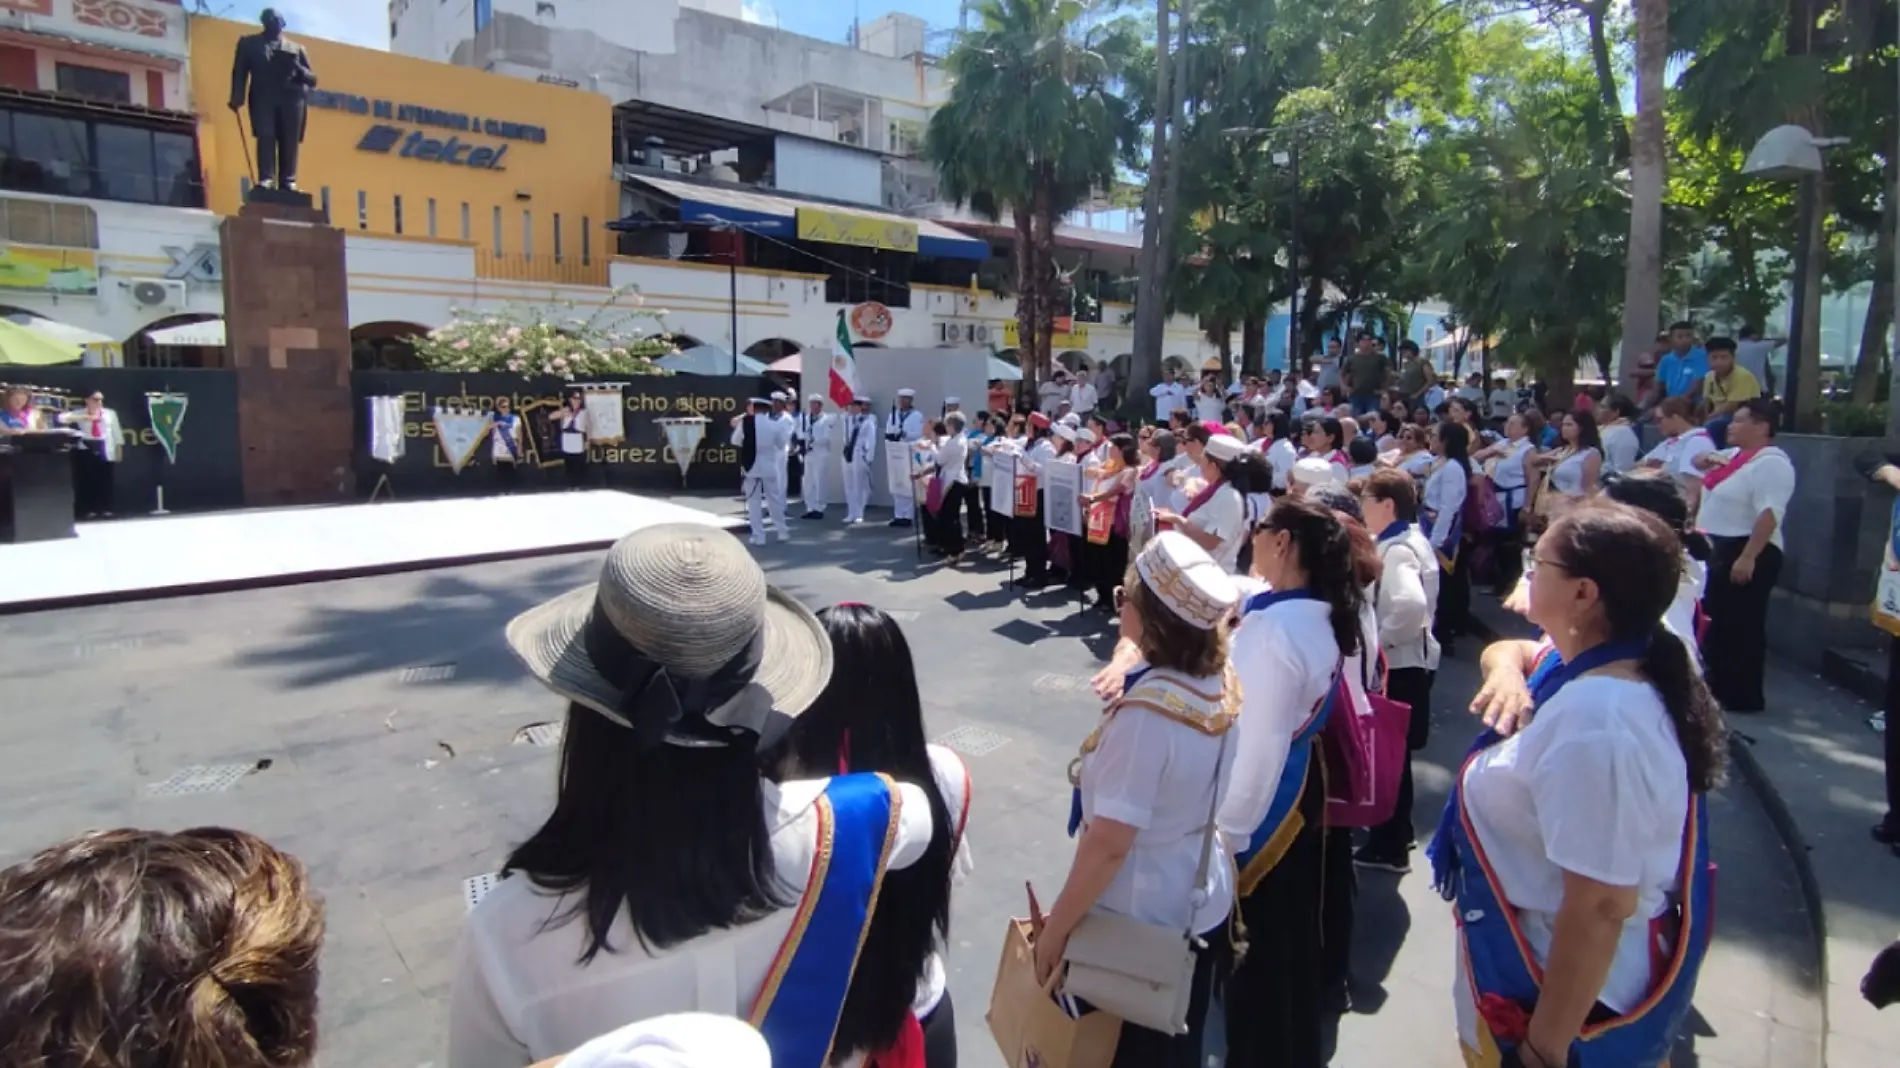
{"points": [[1121, 598], [1538, 561]]}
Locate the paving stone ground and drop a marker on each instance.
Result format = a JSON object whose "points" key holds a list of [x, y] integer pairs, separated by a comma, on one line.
{"points": [[393, 722]]}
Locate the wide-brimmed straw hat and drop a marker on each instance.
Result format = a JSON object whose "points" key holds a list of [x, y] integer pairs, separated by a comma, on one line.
{"points": [[680, 608]]}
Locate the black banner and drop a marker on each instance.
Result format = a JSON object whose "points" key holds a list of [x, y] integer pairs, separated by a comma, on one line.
{"points": [[207, 474], [643, 462]]}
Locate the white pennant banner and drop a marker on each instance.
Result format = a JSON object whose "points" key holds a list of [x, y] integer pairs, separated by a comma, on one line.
{"points": [[682, 438], [459, 433]]}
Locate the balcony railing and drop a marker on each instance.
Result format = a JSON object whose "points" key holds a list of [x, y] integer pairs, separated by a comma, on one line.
{"points": [[60, 178], [566, 270]]}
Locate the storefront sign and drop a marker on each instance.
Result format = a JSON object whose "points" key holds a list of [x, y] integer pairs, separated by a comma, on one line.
{"points": [[455, 152], [863, 231], [1076, 337], [201, 263], [418, 115], [49, 270]]}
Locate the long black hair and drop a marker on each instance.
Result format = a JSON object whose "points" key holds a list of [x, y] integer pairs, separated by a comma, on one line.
{"points": [[1331, 428], [1587, 435], [1660, 495], [871, 718], [1325, 553], [1636, 563], [1455, 440], [675, 836]]}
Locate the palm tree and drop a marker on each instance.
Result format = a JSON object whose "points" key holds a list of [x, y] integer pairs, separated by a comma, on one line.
{"points": [[1032, 128], [1642, 279]]}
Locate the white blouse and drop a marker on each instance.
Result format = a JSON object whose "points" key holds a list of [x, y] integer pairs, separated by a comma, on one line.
{"points": [[1444, 498], [1417, 464], [1596, 785], [1677, 455], [1567, 479], [1509, 473], [1282, 455], [1620, 447], [1223, 515], [1405, 600], [1764, 484], [1284, 657], [1681, 615], [1159, 777], [953, 782], [521, 994], [953, 460], [499, 434]]}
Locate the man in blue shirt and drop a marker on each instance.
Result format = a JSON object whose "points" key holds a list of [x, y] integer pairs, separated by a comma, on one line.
{"points": [[1682, 369]]}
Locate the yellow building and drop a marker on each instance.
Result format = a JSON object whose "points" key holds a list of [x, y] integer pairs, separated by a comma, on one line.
{"points": [[519, 171]]}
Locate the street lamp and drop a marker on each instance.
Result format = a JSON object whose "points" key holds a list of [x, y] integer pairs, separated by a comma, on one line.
{"points": [[1288, 157], [1792, 154]]}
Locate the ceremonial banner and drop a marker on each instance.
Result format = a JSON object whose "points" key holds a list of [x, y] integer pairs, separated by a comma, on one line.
{"points": [[1025, 495], [1886, 611], [167, 412], [1141, 523], [386, 441], [459, 433], [683, 435], [898, 470], [1062, 497], [605, 416], [1101, 521], [1002, 487]]}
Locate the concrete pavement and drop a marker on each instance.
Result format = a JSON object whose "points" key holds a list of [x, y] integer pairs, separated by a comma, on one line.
{"points": [[396, 728]]}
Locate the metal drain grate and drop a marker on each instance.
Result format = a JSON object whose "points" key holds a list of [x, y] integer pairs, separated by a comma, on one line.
{"points": [[1061, 684], [426, 673], [903, 616], [973, 741], [544, 735], [476, 888], [201, 779]]}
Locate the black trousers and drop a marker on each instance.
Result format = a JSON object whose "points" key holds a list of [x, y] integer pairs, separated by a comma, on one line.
{"points": [[279, 132], [1107, 565], [1413, 686], [1030, 540], [1339, 896], [1140, 1047], [1274, 1003], [92, 482], [1735, 650], [507, 475], [576, 468], [949, 520], [940, 1035], [1892, 737], [1453, 615], [975, 501]]}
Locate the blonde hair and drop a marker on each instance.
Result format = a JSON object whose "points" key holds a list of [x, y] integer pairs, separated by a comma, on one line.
{"points": [[146, 949]]}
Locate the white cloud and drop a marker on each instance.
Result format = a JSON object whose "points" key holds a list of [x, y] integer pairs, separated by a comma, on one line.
{"points": [[759, 11], [357, 22]]}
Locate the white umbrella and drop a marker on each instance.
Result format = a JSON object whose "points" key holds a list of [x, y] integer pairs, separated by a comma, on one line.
{"points": [[1005, 371], [209, 334], [53, 328], [709, 360]]}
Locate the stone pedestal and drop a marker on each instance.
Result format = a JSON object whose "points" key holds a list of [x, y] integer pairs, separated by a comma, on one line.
{"points": [[287, 335]]}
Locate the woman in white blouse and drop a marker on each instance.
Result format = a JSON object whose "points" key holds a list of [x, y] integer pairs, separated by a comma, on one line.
{"points": [[1684, 441], [1621, 446], [1746, 489], [952, 463], [1215, 515], [1502, 462], [572, 428], [1441, 513], [1659, 495], [100, 449], [1413, 457], [1571, 470], [1148, 780], [1301, 618]]}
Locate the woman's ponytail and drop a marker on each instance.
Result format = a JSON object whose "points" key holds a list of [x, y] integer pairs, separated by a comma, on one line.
{"points": [[1700, 729]]}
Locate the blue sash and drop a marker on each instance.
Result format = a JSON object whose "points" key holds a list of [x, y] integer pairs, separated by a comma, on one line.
{"points": [[1504, 975], [798, 1007], [505, 426], [1269, 840]]}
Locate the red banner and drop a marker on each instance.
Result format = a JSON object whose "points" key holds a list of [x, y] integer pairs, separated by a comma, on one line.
{"points": [[1025, 495]]}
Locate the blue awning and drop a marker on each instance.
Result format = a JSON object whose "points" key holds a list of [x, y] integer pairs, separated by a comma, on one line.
{"points": [[777, 216]]}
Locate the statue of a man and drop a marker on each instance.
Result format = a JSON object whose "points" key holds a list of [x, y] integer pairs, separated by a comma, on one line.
{"points": [[272, 75]]}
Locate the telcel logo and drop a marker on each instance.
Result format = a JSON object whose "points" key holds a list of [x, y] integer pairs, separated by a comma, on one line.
{"points": [[454, 151]]}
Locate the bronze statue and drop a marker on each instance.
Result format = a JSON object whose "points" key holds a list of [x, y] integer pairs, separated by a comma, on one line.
{"points": [[272, 75]]}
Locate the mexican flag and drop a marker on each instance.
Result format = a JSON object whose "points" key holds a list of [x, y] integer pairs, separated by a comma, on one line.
{"points": [[844, 366]]}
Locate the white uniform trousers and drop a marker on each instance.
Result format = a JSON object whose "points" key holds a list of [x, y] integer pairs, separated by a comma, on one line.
{"points": [[817, 466], [763, 492], [857, 489]]}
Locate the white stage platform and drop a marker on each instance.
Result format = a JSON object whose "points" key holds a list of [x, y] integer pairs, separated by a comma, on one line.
{"points": [[164, 556]]}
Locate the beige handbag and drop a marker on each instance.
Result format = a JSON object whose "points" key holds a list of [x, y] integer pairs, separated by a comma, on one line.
{"points": [[1140, 971]]}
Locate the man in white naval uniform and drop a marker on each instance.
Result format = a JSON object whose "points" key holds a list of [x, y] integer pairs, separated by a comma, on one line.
{"points": [[905, 423], [814, 440], [763, 443], [860, 457], [785, 416]]}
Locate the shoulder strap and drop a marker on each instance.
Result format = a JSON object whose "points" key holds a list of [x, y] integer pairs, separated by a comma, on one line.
{"points": [[1207, 835]]}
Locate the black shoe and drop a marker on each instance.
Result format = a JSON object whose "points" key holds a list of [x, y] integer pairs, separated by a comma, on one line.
{"points": [[901, 523], [814, 515], [1034, 582], [1886, 833], [1397, 862]]}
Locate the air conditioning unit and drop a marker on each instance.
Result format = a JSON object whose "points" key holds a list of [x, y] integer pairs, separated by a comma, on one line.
{"points": [[155, 294]]}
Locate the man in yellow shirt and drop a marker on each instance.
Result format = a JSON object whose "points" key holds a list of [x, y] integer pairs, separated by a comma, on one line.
{"points": [[1726, 387]]}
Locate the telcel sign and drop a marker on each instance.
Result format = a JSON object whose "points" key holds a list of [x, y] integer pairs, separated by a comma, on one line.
{"points": [[406, 142]]}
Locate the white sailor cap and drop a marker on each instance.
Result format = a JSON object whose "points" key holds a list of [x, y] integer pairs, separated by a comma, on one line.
{"points": [[816, 398], [781, 395], [1314, 471], [1225, 447], [1063, 431], [952, 402], [860, 398], [1085, 436], [1182, 576], [759, 400], [1071, 420], [909, 393]]}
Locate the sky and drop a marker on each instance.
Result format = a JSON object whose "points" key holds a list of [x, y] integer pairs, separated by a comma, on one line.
{"points": [[366, 22]]}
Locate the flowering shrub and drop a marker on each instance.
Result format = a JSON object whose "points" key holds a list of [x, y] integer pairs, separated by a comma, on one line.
{"points": [[619, 338]]}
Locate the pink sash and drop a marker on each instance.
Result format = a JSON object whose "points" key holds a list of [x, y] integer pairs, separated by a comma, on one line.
{"points": [[1727, 471]]}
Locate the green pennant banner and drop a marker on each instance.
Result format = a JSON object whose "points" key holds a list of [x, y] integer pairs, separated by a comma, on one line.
{"points": [[167, 411]]}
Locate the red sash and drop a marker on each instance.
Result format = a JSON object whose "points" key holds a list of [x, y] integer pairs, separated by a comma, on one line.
{"points": [[1206, 494], [1727, 471]]}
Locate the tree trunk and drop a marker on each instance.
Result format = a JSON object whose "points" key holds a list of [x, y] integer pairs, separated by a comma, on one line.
{"points": [[1043, 263], [1309, 322], [1873, 334], [1642, 276], [1150, 313], [1612, 98], [1026, 294], [1253, 345]]}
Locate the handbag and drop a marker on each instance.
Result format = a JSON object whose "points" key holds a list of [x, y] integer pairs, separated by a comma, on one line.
{"points": [[1142, 972], [1032, 1030], [1366, 753]]}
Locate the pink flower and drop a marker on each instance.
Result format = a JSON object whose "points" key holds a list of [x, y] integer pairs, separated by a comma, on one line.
{"points": [[460, 345]]}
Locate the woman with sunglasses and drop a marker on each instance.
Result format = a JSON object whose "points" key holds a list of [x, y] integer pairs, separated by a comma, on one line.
{"points": [[1324, 437], [1300, 622]]}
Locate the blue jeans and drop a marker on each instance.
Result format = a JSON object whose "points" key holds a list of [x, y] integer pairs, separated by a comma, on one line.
{"points": [[1718, 430], [1363, 403]]}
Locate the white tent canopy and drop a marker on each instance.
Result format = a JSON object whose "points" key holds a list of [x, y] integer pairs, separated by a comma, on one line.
{"points": [[1005, 371], [209, 333], [709, 360], [53, 328]]}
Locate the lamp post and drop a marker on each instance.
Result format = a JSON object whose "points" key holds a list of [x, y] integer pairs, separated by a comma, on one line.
{"points": [[1792, 154], [1289, 157]]}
